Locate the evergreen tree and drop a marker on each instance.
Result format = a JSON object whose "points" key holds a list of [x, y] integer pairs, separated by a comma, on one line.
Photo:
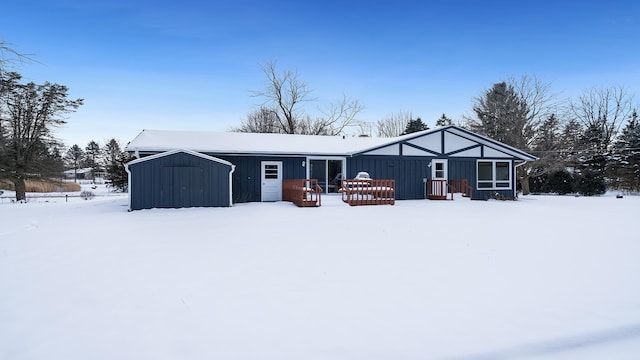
{"points": [[559, 182], [92, 156], [117, 176], [443, 121], [73, 158], [546, 146], [503, 115], [590, 183], [30, 112], [110, 151], [626, 156], [415, 126], [571, 150]]}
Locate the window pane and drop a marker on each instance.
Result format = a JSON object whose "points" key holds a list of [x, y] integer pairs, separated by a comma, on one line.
{"points": [[502, 184], [485, 171], [485, 185], [270, 171], [502, 171]]}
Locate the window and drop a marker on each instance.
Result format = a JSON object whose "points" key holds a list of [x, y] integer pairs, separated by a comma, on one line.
{"points": [[439, 170], [271, 171], [494, 175]]}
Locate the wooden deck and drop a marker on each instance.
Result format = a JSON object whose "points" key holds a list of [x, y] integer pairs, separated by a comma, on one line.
{"points": [[438, 189], [368, 192], [302, 192]]}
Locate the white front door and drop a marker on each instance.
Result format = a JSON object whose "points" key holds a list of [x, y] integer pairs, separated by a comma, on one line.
{"points": [[439, 172], [271, 189], [439, 169]]}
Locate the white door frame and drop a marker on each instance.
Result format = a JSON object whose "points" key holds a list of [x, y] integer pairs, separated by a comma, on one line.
{"points": [[270, 188], [434, 170], [326, 170]]}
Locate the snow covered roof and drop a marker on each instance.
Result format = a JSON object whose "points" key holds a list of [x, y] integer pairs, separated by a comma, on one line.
{"points": [[285, 144], [78, 171], [186, 151], [249, 143]]}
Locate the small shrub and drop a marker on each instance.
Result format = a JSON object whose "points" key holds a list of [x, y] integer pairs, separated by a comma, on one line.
{"points": [[87, 195], [536, 183], [559, 182]]}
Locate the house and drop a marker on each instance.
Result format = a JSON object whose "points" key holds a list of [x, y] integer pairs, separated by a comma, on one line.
{"points": [[415, 161], [84, 174]]}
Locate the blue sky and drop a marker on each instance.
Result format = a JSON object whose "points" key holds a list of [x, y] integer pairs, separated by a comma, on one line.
{"points": [[192, 64]]}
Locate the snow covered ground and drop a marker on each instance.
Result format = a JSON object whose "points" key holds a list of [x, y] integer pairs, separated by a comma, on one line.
{"points": [[541, 278]]}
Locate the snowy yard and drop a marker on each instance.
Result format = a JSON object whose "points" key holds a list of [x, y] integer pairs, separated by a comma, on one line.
{"points": [[541, 278]]}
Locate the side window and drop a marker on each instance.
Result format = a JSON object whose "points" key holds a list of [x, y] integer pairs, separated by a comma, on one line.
{"points": [[494, 174]]}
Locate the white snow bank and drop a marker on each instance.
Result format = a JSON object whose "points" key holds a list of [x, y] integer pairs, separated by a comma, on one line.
{"points": [[543, 277]]}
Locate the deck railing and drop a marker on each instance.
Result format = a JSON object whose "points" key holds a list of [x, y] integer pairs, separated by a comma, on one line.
{"points": [[438, 189], [368, 192], [302, 192], [460, 186]]}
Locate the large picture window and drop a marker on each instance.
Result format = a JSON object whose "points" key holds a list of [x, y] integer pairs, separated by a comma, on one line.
{"points": [[494, 175]]}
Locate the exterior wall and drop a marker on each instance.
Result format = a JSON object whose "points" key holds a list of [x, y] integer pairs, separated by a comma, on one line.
{"points": [[409, 173], [179, 180], [246, 177]]}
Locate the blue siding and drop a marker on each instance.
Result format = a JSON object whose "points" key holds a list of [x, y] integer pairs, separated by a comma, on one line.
{"points": [[408, 172], [179, 180], [246, 177]]}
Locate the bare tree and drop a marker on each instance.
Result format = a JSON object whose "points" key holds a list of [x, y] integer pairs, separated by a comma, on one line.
{"points": [[9, 56], [262, 120], [340, 115], [394, 124], [284, 93], [282, 110], [602, 111]]}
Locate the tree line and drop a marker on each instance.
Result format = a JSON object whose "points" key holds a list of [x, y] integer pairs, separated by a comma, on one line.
{"points": [[592, 142], [29, 115], [584, 144]]}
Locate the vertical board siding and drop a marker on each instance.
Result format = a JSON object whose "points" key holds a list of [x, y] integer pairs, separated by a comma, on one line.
{"points": [[247, 177], [179, 180], [408, 173]]}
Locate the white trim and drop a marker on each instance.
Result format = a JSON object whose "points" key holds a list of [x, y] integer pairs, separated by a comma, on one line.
{"points": [[175, 151], [233, 169], [126, 168], [326, 168], [493, 175]]}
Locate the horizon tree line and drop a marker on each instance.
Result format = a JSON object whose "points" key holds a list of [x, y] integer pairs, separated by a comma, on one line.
{"points": [[595, 134]]}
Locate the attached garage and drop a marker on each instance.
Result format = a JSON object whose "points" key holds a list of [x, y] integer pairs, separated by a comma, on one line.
{"points": [[177, 179]]}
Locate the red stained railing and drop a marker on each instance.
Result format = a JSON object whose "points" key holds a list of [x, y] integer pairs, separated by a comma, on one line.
{"points": [[368, 192], [438, 189], [302, 192]]}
